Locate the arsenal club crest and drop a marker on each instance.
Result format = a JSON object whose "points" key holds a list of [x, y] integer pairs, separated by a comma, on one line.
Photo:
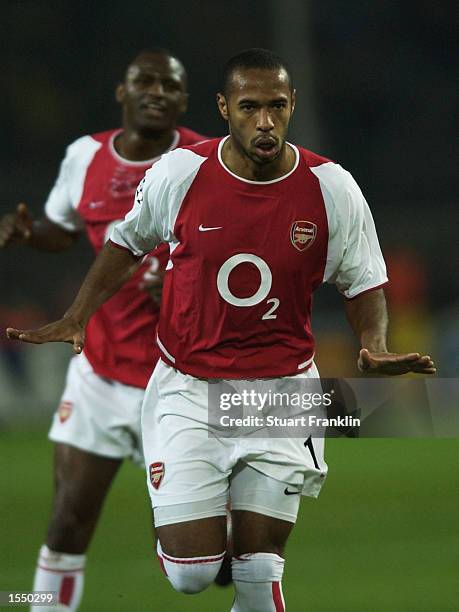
{"points": [[156, 473], [64, 411], [303, 234]]}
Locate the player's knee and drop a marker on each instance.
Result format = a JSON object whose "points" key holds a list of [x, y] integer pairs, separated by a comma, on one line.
{"points": [[68, 520], [69, 529], [184, 582], [190, 575], [258, 567]]}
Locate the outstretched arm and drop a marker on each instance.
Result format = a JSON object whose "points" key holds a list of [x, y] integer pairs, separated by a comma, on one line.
{"points": [[111, 269], [42, 234], [367, 315]]}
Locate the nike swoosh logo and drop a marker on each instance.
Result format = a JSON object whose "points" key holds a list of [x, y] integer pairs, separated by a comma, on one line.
{"points": [[287, 492], [201, 228], [96, 204]]}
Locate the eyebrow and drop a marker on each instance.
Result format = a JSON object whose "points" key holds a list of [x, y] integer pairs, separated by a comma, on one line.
{"points": [[150, 71], [252, 101]]}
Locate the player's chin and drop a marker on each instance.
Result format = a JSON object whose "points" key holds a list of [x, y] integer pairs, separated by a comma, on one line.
{"points": [[264, 157], [153, 126]]}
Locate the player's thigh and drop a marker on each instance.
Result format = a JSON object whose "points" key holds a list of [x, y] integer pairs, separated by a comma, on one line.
{"points": [[187, 468], [264, 511], [196, 538], [254, 532]]}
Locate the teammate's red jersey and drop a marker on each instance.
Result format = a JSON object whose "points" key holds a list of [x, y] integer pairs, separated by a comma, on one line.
{"points": [[94, 191], [246, 257]]}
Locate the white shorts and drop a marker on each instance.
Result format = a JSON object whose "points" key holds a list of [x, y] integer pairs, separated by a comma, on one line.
{"points": [[185, 465], [98, 415]]}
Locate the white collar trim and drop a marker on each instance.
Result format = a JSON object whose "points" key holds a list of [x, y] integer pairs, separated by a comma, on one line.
{"points": [[128, 162], [276, 180]]}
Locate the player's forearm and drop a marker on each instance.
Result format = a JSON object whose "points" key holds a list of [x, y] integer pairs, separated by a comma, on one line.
{"points": [[111, 269], [47, 236], [367, 315]]}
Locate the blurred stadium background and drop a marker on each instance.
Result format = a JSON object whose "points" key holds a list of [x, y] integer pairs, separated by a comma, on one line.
{"points": [[376, 84]]}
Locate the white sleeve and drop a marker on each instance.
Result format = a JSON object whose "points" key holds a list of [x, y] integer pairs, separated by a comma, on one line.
{"points": [[62, 202], [354, 260], [140, 231], [157, 202]]}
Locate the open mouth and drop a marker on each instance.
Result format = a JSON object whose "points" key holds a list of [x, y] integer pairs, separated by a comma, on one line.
{"points": [[266, 148], [154, 108]]}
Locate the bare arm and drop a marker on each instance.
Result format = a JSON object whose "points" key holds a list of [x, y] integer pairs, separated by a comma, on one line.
{"points": [[111, 269], [367, 315], [42, 234]]}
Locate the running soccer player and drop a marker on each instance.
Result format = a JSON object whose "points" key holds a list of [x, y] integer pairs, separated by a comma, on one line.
{"points": [[97, 423], [254, 225]]}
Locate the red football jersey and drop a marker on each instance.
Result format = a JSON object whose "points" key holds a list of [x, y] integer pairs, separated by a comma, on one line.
{"points": [[94, 191], [246, 256]]}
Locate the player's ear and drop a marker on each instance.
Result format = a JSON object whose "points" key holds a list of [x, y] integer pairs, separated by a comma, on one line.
{"points": [[293, 100], [120, 92], [184, 103], [222, 106]]}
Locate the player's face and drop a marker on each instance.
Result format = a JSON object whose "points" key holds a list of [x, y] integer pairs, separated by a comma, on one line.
{"points": [[258, 107], [153, 94]]}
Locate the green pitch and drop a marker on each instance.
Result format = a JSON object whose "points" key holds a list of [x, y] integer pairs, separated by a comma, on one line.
{"points": [[383, 536]]}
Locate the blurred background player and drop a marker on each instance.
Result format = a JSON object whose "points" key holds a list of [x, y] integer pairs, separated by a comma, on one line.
{"points": [[97, 423]]}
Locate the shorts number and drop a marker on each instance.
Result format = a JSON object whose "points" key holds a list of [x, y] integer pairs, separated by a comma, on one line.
{"points": [[308, 444], [260, 294]]}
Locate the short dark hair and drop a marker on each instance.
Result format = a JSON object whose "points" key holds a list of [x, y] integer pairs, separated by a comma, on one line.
{"points": [[257, 58], [159, 51], [154, 51]]}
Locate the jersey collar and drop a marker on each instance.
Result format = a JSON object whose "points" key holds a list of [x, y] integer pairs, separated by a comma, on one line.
{"points": [[127, 162], [239, 178]]}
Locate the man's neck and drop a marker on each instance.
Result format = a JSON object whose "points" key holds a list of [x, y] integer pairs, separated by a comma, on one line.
{"points": [[244, 167], [135, 147]]}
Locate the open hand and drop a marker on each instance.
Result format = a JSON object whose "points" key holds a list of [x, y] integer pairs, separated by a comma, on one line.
{"points": [[63, 330], [16, 228], [394, 364]]}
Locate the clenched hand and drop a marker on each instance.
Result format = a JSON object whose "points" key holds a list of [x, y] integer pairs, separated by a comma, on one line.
{"points": [[16, 228]]}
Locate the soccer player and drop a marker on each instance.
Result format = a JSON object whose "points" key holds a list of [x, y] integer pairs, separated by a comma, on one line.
{"points": [[97, 423], [254, 225]]}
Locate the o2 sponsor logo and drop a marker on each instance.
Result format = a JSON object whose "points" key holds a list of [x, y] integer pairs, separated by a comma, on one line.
{"points": [[266, 279]]}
